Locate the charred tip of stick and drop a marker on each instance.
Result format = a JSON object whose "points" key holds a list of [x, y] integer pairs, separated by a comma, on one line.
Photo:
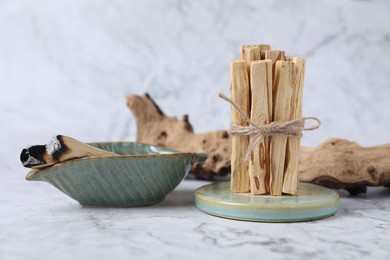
{"points": [[24, 155], [33, 155]]}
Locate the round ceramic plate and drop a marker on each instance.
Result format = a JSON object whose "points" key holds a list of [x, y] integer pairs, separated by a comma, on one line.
{"points": [[312, 202]]}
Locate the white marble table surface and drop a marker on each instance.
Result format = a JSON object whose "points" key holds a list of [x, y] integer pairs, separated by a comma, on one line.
{"points": [[39, 222], [67, 65]]}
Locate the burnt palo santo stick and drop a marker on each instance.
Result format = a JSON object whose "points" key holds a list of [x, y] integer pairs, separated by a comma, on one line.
{"points": [[60, 148]]}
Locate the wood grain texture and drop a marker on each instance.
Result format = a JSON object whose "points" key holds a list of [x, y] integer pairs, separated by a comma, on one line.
{"points": [[249, 54], [260, 47], [240, 94], [291, 178], [274, 56], [282, 91], [342, 164], [260, 76]]}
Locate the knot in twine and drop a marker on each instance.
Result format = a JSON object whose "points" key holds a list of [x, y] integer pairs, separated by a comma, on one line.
{"points": [[288, 128]]}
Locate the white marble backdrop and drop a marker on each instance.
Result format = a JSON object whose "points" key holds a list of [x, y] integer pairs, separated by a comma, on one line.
{"points": [[67, 65]]}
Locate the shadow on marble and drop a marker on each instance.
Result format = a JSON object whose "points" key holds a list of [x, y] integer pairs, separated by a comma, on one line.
{"points": [[372, 193], [181, 198], [178, 198]]}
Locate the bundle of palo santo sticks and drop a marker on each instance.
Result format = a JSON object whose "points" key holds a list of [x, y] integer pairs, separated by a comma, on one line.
{"points": [[267, 86]]}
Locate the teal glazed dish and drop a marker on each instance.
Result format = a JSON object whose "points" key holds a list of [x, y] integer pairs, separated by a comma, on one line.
{"points": [[311, 202], [140, 175]]}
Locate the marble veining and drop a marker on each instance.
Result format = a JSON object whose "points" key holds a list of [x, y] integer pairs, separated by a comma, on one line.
{"points": [[67, 65], [51, 224]]}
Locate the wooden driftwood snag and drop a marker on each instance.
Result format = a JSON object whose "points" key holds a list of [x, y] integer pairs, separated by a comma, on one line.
{"points": [[336, 163], [154, 127], [342, 164]]}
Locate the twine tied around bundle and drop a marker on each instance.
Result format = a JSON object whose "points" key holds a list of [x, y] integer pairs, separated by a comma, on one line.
{"points": [[288, 128]]}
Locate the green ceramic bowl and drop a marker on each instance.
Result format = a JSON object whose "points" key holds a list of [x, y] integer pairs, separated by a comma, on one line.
{"points": [[142, 175]]}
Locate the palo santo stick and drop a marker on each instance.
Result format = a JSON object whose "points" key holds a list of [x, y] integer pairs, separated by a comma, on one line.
{"points": [[260, 78], [249, 54], [240, 94], [282, 103], [273, 55], [291, 176], [59, 149], [270, 116], [264, 47], [260, 47]]}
